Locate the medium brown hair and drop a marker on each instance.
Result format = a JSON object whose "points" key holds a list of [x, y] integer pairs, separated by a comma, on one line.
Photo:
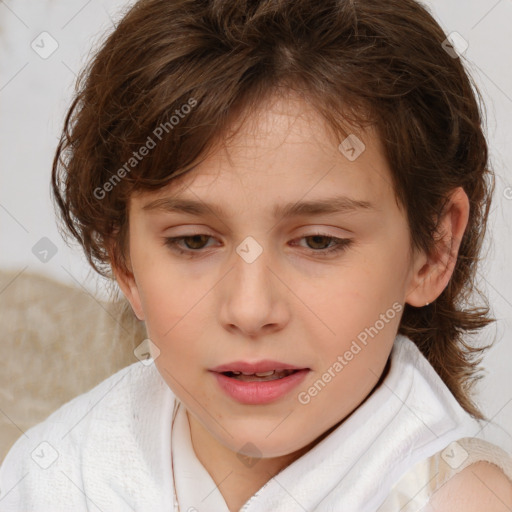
{"points": [[358, 61]]}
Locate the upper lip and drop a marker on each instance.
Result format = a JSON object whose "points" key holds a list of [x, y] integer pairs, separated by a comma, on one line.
{"points": [[256, 367]]}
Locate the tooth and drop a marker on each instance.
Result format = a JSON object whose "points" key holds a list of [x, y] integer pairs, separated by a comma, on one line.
{"points": [[265, 374], [260, 374]]}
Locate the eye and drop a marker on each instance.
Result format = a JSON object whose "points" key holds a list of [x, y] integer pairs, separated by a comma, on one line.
{"points": [[173, 243], [338, 244], [194, 243]]}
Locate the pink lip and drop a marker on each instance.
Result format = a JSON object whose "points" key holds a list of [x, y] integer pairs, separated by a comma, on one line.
{"points": [[257, 367], [257, 393]]}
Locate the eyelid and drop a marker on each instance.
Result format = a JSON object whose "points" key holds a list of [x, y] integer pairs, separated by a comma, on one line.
{"points": [[312, 231], [340, 244]]}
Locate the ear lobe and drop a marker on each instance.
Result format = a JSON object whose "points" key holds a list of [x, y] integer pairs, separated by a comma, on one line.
{"points": [[130, 289], [432, 273], [126, 281]]}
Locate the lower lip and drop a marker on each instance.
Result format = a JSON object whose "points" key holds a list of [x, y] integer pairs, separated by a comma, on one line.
{"points": [[257, 393]]}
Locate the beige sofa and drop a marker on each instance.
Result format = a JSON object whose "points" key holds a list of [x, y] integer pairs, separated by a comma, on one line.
{"points": [[58, 341]]}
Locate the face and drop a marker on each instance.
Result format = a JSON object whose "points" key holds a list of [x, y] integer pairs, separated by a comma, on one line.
{"points": [[248, 279]]}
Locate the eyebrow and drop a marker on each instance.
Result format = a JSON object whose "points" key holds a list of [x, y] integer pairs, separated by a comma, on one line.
{"points": [[338, 204]]}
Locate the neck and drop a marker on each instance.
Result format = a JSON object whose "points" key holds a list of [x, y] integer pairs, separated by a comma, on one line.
{"points": [[237, 479]]}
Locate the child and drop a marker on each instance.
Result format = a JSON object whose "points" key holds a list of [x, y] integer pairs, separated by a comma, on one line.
{"points": [[292, 195]]}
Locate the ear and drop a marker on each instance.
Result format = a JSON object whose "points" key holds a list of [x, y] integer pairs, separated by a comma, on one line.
{"points": [[127, 283], [431, 273]]}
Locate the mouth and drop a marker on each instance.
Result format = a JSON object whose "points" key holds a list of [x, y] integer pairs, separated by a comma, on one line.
{"points": [[257, 371], [259, 376], [261, 386]]}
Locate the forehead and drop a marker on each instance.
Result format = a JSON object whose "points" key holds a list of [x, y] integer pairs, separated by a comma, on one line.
{"points": [[282, 151]]}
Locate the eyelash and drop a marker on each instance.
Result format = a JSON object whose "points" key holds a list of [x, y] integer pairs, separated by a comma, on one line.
{"points": [[341, 244]]}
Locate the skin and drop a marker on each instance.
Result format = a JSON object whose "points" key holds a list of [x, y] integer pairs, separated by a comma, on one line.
{"points": [[291, 304]]}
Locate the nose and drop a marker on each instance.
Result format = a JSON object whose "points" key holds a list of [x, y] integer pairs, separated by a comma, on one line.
{"points": [[254, 297]]}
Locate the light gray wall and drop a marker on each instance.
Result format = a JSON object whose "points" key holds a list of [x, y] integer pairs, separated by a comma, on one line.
{"points": [[34, 93]]}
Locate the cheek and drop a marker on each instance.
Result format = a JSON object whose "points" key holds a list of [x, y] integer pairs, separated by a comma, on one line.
{"points": [[174, 314], [352, 296], [357, 311], [165, 294]]}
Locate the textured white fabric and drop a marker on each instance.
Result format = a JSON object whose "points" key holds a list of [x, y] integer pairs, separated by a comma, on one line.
{"points": [[114, 449]]}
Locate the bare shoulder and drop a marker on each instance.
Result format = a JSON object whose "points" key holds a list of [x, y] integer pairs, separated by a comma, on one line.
{"points": [[480, 486]]}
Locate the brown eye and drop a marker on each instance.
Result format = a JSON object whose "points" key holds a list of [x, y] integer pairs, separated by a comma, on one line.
{"points": [[193, 243], [319, 240], [197, 241]]}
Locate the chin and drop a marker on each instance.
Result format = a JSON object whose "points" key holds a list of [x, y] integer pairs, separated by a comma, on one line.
{"points": [[261, 446]]}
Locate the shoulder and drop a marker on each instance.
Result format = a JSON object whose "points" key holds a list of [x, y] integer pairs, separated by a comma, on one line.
{"points": [[71, 420], [480, 486], [49, 454], [470, 474]]}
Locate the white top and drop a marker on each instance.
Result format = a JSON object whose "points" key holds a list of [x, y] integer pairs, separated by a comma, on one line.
{"points": [[110, 449]]}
